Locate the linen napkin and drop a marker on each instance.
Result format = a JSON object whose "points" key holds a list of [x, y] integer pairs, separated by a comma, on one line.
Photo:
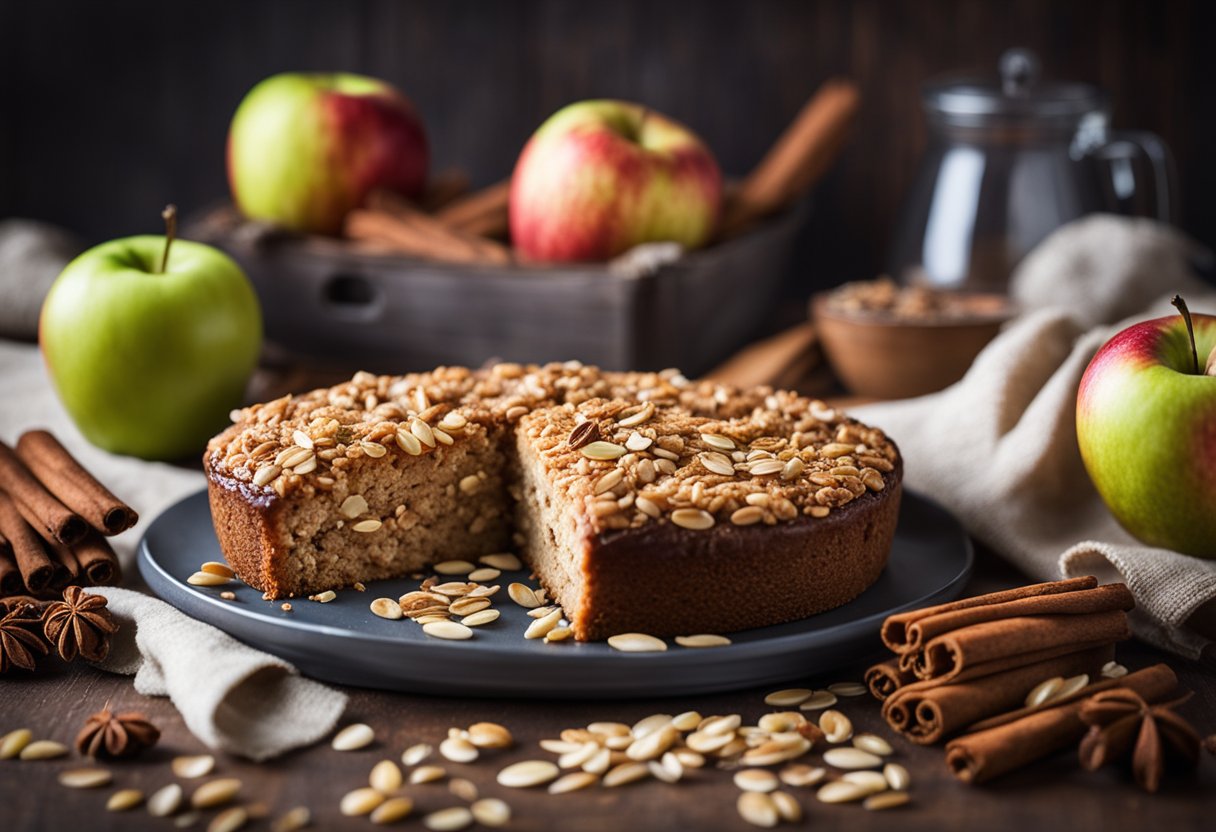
{"points": [[999, 447], [232, 697], [32, 254]]}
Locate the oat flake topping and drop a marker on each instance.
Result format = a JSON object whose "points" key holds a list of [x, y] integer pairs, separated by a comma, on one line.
{"points": [[660, 448]]}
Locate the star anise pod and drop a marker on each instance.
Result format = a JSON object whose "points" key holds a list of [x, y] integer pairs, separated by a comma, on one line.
{"points": [[106, 734], [21, 641], [1121, 722], [13, 602], [80, 624]]}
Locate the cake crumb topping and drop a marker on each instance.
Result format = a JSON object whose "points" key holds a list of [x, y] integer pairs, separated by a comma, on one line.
{"points": [[632, 448]]}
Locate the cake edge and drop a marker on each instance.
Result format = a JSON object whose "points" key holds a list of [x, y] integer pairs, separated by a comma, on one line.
{"points": [[618, 563]]}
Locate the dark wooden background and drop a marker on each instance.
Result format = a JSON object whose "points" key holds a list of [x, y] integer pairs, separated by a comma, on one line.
{"points": [[109, 110]]}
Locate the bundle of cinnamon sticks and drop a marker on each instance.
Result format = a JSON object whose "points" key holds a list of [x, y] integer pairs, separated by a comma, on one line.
{"points": [[1012, 740], [967, 667], [54, 518], [463, 230]]}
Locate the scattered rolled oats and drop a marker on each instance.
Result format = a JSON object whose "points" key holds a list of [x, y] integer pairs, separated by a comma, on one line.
{"points": [[392, 810], [757, 809], [851, 758], [353, 737], [12, 743], [836, 726], [193, 766], [755, 780], [458, 750], [819, 700], [43, 750], [124, 800], [874, 744], [426, 774], [886, 800], [85, 778], [528, 773], [636, 643], [490, 811], [165, 801], [897, 776], [360, 802], [215, 793]]}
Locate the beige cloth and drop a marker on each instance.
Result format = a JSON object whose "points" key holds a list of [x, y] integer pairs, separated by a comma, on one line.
{"points": [[231, 697], [32, 254], [999, 448]]}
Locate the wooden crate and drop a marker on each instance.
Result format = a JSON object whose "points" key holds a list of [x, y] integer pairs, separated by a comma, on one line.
{"points": [[341, 305]]}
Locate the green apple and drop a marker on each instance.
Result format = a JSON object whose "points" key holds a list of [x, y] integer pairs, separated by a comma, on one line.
{"points": [[305, 149], [600, 177], [1146, 426], [150, 343]]}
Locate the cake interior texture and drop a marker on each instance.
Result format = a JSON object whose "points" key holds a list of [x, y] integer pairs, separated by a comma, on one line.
{"points": [[449, 505]]}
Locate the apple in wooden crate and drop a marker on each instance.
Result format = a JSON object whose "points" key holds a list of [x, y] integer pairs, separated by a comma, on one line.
{"points": [[305, 149], [1146, 426], [599, 177], [150, 343]]}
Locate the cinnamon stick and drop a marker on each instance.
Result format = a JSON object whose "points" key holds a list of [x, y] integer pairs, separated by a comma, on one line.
{"points": [[801, 154], [69, 571], [37, 569], [927, 712], [483, 213], [75, 487], [37, 504], [894, 629], [948, 655], [885, 678], [989, 753], [98, 562], [391, 221], [1099, 599], [442, 189], [767, 361], [10, 576]]}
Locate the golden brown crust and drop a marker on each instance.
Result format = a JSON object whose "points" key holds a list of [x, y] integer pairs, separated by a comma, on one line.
{"points": [[245, 525]]}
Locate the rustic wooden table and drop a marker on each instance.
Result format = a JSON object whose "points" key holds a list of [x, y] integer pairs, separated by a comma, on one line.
{"points": [[1054, 794]]}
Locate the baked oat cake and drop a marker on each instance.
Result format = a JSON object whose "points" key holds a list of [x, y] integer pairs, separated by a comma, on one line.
{"points": [[642, 501]]}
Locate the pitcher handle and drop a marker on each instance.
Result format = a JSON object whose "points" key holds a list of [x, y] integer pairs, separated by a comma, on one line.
{"points": [[1126, 145]]}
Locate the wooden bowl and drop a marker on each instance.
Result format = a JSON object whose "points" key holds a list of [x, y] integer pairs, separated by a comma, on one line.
{"points": [[885, 357]]}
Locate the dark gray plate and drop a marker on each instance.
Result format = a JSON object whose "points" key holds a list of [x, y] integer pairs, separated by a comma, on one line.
{"points": [[343, 642]]}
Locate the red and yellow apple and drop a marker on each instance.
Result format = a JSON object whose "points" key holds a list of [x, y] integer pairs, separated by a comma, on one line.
{"points": [[1146, 425], [150, 345], [305, 149], [599, 177]]}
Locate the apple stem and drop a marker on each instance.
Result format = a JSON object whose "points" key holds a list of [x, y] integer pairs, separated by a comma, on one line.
{"points": [[1180, 304], [170, 217]]}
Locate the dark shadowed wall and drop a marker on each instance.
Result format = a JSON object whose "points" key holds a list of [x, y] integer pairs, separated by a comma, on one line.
{"points": [[111, 109]]}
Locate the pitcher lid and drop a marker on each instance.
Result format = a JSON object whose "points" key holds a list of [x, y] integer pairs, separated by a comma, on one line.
{"points": [[1017, 95]]}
